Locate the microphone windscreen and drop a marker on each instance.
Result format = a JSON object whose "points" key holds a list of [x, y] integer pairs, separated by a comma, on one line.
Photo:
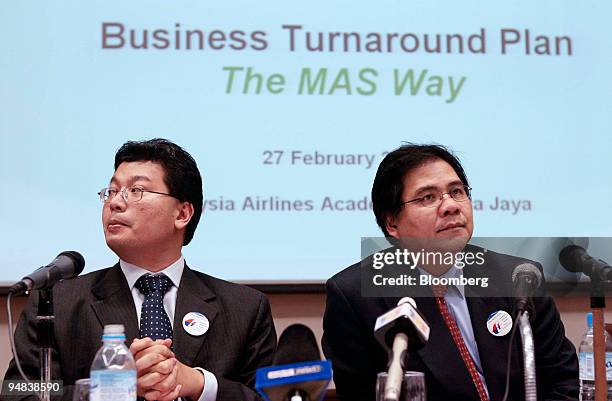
{"points": [[527, 268], [78, 260], [570, 258], [296, 344]]}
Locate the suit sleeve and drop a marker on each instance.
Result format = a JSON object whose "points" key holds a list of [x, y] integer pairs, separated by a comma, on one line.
{"points": [[28, 352], [556, 361], [258, 353], [346, 342]]}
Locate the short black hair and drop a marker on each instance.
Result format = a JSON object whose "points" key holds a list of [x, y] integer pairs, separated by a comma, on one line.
{"points": [[388, 184], [182, 175]]}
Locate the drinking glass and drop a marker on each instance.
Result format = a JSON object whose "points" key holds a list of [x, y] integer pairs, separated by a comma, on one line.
{"points": [[413, 387], [81, 390]]}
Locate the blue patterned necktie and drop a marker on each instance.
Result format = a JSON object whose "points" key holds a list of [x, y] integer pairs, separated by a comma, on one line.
{"points": [[154, 322]]}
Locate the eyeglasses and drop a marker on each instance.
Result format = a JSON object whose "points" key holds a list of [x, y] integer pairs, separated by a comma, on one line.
{"points": [[131, 194], [460, 193]]}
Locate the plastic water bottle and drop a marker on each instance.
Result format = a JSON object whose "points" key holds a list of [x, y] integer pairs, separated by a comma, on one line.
{"points": [[587, 365], [113, 371]]}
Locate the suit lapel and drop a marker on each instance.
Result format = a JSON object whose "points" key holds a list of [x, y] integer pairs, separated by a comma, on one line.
{"points": [[192, 296], [441, 355], [114, 304], [493, 350]]}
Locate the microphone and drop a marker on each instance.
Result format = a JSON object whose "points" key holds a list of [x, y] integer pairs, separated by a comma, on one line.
{"points": [[526, 278], [576, 259], [66, 265], [297, 372], [400, 330]]}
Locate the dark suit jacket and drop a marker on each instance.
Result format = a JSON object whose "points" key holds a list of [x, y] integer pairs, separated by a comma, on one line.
{"points": [[357, 357], [241, 337]]}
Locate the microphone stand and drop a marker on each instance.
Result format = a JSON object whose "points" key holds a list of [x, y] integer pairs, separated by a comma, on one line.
{"points": [[45, 338], [598, 306], [297, 395], [395, 375], [528, 357]]}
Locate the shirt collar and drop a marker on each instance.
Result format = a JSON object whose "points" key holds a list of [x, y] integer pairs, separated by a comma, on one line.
{"points": [[132, 272], [453, 272]]}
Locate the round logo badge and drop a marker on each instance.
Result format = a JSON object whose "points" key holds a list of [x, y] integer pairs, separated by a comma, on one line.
{"points": [[499, 323], [195, 323]]}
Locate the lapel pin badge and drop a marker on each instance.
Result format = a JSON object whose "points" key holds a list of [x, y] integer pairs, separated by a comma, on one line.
{"points": [[195, 323], [499, 323]]}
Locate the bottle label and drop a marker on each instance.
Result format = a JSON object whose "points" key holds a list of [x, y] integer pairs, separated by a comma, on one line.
{"points": [[113, 385], [587, 366]]}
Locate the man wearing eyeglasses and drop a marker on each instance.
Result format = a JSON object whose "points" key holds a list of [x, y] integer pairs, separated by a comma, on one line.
{"points": [[193, 336], [421, 200]]}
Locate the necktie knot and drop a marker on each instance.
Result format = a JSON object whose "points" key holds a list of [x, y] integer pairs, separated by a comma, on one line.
{"points": [[148, 283], [154, 321], [439, 290]]}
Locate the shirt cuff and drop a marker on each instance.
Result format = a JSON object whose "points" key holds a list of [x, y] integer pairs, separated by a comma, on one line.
{"points": [[210, 386]]}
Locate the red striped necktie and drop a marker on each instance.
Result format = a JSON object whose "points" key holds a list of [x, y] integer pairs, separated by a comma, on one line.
{"points": [[450, 322]]}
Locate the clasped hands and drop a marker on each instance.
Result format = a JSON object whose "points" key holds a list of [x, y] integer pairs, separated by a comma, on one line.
{"points": [[161, 376]]}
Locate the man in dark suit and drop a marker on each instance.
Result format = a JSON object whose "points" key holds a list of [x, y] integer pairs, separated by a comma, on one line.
{"points": [[421, 199], [151, 209]]}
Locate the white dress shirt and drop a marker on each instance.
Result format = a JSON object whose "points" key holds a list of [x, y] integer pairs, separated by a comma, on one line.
{"points": [[174, 272]]}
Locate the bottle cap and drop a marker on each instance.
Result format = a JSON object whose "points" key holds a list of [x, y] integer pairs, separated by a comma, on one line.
{"points": [[114, 329], [113, 332], [589, 320]]}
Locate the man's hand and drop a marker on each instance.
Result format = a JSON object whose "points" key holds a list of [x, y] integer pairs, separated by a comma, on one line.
{"points": [[156, 369], [160, 375], [192, 381]]}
